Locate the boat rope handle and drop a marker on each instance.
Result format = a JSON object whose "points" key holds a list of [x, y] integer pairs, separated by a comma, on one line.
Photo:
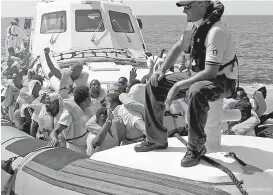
{"points": [[10, 160], [234, 179], [14, 138]]}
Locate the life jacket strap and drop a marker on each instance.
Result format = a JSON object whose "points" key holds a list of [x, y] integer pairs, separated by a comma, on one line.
{"points": [[10, 33], [232, 62]]}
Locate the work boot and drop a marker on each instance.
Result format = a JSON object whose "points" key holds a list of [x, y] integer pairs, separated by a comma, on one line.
{"points": [[192, 157], [147, 146]]}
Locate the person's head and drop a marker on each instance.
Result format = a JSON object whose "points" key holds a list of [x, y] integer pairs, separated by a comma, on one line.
{"points": [[16, 20], [101, 116], [30, 74], [17, 79], [82, 96], [241, 94], [263, 91], [9, 61], [76, 71], [52, 102], [133, 82], [245, 108], [11, 51], [113, 92], [122, 82], [195, 10], [95, 86], [34, 87], [38, 78], [15, 66]]}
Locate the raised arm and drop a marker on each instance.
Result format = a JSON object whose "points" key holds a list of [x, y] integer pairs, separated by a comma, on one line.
{"points": [[103, 132], [56, 72]]}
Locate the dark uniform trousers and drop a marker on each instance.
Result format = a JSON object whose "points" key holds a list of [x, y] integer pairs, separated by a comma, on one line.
{"points": [[197, 97]]}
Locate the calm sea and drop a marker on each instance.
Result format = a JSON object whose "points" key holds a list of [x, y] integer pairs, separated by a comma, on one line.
{"points": [[252, 35]]}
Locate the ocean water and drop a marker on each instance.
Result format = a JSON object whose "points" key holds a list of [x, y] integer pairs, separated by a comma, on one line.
{"points": [[252, 35]]}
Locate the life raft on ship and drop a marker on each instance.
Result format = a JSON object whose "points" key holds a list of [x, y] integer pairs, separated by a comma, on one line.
{"points": [[44, 170]]}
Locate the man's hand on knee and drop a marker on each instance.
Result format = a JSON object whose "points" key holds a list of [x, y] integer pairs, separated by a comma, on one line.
{"points": [[157, 76]]}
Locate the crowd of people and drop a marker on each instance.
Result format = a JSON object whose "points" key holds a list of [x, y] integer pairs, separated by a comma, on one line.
{"points": [[86, 118], [81, 116]]}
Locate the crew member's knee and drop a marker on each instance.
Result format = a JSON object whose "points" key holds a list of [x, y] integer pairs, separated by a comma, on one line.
{"points": [[195, 90]]}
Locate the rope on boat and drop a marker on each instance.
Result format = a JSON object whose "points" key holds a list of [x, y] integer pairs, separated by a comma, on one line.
{"points": [[231, 175]]}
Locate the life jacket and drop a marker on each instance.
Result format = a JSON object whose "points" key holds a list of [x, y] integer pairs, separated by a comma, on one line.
{"points": [[109, 141], [10, 33], [197, 49], [66, 91], [80, 118], [11, 94]]}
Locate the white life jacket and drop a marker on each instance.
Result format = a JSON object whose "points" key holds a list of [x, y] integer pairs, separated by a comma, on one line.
{"points": [[80, 118], [10, 34], [66, 91]]}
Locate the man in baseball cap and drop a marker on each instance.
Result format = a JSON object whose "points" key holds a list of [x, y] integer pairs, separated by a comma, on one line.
{"points": [[211, 46]]}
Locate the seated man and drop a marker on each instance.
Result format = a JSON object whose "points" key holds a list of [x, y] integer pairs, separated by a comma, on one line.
{"points": [[12, 55], [103, 132], [132, 119], [131, 84], [98, 96], [47, 118], [123, 82], [28, 94], [71, 125], [69, 78], [113, 92], [248, 119], [11, 93], [258, 99], [211, 46], [23, 111]]}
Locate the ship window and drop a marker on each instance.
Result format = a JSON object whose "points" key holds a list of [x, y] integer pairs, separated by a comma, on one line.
{"points": [[89, 21], [121, 22], [54, 22]]}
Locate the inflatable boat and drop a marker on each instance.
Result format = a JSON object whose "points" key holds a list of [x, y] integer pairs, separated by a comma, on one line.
{"points": [[43, 170]]}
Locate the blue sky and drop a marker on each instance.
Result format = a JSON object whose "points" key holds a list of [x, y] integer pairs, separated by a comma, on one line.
{"points": [[22, 8]]}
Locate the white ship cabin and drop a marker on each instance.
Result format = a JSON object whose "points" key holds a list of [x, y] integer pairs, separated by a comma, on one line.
{"points": [[64, 25]]}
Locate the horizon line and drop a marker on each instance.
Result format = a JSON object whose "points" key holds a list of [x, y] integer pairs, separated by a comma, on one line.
{"points": [[159, 15]]}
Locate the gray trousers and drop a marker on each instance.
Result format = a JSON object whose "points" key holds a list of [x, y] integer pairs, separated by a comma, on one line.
{"points": [[197, 97]]}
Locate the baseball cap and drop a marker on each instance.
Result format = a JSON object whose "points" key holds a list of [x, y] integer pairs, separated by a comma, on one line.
{"points": [[184, 3]]}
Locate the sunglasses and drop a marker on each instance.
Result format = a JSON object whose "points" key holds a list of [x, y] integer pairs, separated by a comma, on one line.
{"points": [[189, 6]]}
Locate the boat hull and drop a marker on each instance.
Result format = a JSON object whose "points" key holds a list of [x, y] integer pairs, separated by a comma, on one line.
{"points": [[62, 171]]}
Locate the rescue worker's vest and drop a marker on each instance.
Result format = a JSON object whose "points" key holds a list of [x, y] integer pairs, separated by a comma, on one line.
{"points": [[197, 49], [65, 91], [10, 33]]}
